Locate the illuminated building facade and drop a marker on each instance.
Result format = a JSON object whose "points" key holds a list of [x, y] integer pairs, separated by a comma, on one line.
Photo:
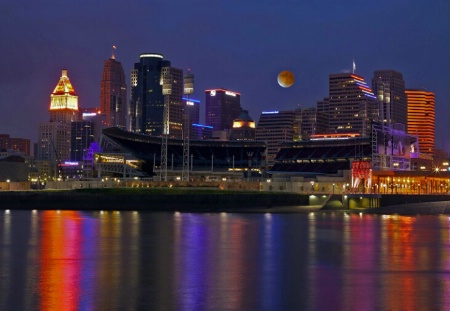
{"points": [[221, 108], [389, 88], [351, 105], [243, 127], [421, 119], [64, 101], [113, 93], [147, 99], [274, 128]]}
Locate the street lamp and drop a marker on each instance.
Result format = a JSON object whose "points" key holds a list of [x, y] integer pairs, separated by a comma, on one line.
{"points": [[333, 187]]}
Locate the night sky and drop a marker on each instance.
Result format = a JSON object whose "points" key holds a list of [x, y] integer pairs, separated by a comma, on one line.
{"points": [[237, 45]]}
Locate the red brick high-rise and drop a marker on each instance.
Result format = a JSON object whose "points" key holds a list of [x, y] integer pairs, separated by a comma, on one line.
{"points": [[113, 93], [16, 144]]}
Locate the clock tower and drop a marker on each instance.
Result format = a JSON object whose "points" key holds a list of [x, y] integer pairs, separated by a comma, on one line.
{"points": [[55, 135]]}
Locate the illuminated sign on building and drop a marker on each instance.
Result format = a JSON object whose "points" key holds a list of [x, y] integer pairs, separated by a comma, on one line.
{"points": [[151, 55], [361, 171], [222, 91], [71, 163], [270, 112]]}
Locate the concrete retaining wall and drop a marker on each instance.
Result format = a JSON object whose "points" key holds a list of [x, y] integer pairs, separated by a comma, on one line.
{"points": [[152, 202], [118, 183], [396, 199]]}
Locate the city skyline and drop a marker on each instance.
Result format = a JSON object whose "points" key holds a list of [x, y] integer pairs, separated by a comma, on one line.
{"points": [[239, 47]]}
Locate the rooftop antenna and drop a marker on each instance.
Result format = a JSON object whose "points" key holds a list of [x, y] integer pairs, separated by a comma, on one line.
{"points": [[354, 66], [112, 52]]}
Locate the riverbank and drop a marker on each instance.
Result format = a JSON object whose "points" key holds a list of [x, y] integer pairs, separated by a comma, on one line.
{"points": [[422, 208], [202, 200], [152, 199]]}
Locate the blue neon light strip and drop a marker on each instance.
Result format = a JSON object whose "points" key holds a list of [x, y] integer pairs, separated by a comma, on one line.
{"points": [[201, 125], [191, 100]]}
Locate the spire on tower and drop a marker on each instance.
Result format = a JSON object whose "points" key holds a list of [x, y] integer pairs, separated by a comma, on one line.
{"points": [[112, 52]]}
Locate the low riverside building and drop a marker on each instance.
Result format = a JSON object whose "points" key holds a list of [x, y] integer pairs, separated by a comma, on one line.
{"points": [[13, 168]]}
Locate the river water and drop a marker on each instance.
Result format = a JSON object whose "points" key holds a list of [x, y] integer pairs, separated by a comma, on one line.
{"points": [[70, 260]]}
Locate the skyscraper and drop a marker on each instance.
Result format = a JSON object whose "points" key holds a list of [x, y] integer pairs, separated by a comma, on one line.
{"points": [[221, 108], [113, 93], [98, 120], [389, 88], [54, 136], [275, 127], [421, 119], [82, 135], [351, 105], [192, 107], [148, 78]]}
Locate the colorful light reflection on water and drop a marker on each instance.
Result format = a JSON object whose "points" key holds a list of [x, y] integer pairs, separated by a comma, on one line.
{"points": [[68, 260]]}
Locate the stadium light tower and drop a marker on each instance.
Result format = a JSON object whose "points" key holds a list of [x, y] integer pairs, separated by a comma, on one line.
{"points": [[188, 90], [166, 82]]}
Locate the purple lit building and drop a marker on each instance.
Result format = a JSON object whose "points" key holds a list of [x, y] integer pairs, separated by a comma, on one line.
{"points": [[221, 108]]}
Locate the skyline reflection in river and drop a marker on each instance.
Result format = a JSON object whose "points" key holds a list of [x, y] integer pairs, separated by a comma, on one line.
{"points": [[69, 260]]}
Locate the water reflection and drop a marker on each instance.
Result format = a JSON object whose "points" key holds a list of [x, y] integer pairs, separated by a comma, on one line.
{"points": [[86, 261], [70, 260], [5, 259]]}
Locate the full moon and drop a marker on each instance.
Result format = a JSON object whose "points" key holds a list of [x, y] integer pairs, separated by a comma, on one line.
{"points": [[285, 78]]}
